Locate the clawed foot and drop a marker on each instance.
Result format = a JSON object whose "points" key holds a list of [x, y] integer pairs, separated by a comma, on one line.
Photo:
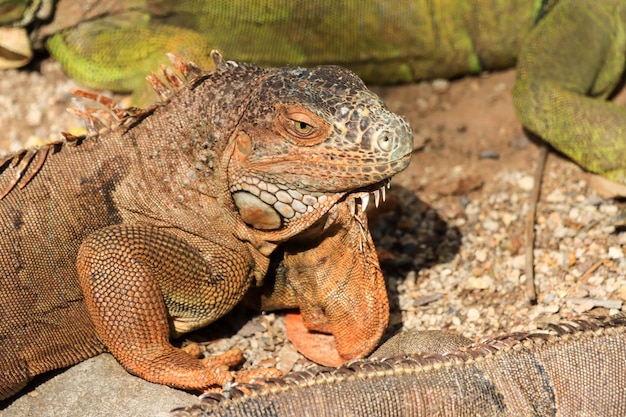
{"points": [[222, 363]]}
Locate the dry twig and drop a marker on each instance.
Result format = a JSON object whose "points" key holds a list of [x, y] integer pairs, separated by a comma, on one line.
{"points": [[531, 291]]}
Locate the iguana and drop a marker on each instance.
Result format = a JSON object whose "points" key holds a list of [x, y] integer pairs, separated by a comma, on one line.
{"points": [[161, 222], [569, 66], [111, 44], [574, 369], [559, 96]]}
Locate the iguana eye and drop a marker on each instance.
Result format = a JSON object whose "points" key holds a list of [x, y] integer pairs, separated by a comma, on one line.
{"points": [[302, 127], [299, 125]]}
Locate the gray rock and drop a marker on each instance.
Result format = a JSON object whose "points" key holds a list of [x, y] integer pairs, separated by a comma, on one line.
{"points": [[97, 387]]}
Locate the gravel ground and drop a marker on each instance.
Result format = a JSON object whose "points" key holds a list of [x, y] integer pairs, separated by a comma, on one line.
{"points": [[451, 235]]}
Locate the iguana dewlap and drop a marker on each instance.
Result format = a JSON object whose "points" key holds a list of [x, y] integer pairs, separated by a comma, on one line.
{"points": [[160, 224]]}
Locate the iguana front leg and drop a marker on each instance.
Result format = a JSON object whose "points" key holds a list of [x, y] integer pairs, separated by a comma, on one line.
{"points": [[336, 282], [142, 284]]}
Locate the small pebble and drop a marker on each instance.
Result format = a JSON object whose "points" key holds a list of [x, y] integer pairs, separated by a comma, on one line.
{"points": [[489, 154], [594, 201], [441, 85], [479, 283], [473, 314], [251, 328], [518, 262], [520, 142], [527, 183], [288, 358], [34, 116], [481, 255], [551, 309], [491, 226], [610, 209], [615, 252], [561, 232], [556, 196]]}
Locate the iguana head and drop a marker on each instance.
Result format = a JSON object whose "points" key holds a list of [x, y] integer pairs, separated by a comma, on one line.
{"points": [[308, 139], [310, 146]]}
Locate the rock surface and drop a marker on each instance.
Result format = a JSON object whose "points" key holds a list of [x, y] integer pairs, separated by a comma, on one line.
{"points": [[98, 387]]}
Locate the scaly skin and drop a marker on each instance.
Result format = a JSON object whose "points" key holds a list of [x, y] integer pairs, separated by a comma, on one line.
{"points": [[403, 41], [570, 64], [161, 224], [576, 369]]}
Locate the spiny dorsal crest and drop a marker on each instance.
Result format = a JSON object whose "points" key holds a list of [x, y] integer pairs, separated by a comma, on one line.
{"points": [[107, 116], [190, 72], [411, 363]]}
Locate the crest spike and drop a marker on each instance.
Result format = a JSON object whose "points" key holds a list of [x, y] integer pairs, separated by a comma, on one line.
{"points": [[220, 63], [157, 85], [173, 80], [188, 69]]}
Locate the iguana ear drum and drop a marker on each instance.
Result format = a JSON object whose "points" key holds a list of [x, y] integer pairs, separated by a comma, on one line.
{"points": [[244, 143], [256, 212], [265, 206]]}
